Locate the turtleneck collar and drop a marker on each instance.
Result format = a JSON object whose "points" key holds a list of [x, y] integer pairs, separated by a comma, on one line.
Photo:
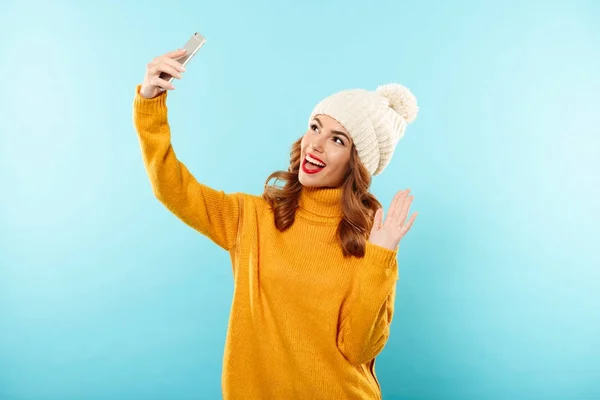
{"points": [[321, 204]]}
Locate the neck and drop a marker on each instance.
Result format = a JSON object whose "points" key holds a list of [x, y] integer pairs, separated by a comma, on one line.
{"points": [[324, 204]]}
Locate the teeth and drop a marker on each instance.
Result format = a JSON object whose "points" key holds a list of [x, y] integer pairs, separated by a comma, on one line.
{"points": [[312, 160]]}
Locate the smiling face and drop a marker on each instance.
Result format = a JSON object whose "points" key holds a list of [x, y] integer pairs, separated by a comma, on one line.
{"points": [[325, 153]]}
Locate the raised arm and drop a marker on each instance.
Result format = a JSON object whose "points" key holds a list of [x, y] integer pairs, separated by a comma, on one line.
{"points": [[213, 213], [366, 317]]}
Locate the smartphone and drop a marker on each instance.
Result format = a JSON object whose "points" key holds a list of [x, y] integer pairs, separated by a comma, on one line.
{"points": [[192, 46]]}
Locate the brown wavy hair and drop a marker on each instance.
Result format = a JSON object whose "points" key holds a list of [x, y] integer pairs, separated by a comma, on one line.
{"points": [[358, 205]]}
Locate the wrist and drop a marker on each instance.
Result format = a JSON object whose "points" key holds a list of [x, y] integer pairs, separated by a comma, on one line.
{"points": [[381, 252]]}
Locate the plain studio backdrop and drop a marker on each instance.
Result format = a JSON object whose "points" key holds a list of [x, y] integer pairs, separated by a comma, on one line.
{"points": [[106, 295]]}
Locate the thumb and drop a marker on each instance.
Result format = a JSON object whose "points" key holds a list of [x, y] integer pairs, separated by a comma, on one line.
{"points": [[377, 220], [175, 53]]}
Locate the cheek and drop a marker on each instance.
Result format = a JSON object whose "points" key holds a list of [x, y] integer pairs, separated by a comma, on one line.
{"points": [[303, 141], [337, 173], [341, 162]]}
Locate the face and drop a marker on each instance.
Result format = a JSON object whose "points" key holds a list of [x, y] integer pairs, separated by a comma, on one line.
{"points": [[325, 153]]}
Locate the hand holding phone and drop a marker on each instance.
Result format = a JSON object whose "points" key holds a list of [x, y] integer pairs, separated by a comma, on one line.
{"points": [[161, 71]]}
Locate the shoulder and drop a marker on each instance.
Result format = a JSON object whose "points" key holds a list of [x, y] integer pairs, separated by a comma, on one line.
{"points": [[253, 202]]}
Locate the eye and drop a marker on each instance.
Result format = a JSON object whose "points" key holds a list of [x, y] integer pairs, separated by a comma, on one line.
{"points": [[338, 140], [314, 127]]}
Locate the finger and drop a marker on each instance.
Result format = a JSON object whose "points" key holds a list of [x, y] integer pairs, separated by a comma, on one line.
{"points": [[392, 209], [166, 69], [157, 81], [176, 53], [165, 64], [409, 224], [172, 63], [393, 212], [404, 210], [378, 219]]}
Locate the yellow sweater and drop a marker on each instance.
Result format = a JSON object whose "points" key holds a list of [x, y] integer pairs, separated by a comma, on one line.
{"points": [[305, 322]]}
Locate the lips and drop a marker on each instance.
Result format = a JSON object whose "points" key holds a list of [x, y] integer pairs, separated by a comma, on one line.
{"points": [[312, 164]]}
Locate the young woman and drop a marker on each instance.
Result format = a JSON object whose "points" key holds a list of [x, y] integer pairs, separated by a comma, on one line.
{"points": [[314, 261]]}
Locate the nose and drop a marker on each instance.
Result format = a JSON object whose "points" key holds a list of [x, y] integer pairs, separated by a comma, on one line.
{"points": [[317, 145]]}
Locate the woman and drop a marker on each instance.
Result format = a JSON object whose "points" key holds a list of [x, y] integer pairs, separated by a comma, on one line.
{"points": [[314, 262]]}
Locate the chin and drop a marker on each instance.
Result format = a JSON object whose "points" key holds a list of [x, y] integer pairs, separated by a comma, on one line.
{"points": [[310, 181], [306, 181]]}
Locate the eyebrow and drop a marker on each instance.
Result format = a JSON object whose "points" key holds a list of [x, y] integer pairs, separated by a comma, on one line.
{"points": [[334, 132]]}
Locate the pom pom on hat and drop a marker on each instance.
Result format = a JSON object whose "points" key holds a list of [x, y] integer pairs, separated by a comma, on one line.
{"points": [[401, 100], [376, 120]]}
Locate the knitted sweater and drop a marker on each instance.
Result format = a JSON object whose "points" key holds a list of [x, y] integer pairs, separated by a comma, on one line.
{"points": [[305, 322]]}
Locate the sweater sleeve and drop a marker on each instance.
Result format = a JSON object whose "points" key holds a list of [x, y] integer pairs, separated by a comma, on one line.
{"points": [[366, 315], [213, 213]]}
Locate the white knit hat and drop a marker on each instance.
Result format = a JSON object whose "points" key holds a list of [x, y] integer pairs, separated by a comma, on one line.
{"points": [[376, 120]]}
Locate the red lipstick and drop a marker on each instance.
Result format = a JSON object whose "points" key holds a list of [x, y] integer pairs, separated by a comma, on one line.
{"points": [[314, 168]]}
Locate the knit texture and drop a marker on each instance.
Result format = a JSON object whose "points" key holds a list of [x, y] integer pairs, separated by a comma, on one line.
{"points": [[305, 322], [376, 120]]}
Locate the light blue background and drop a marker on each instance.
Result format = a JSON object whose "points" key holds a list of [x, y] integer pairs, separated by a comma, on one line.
{"points": [[105, 295]]}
